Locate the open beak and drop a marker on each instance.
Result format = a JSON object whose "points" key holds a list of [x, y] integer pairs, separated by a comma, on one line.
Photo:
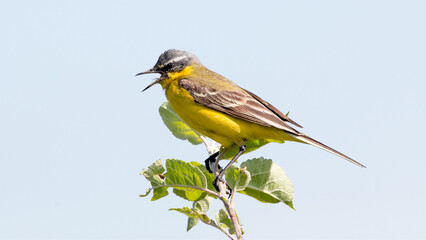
{"points": [[153, 83]]}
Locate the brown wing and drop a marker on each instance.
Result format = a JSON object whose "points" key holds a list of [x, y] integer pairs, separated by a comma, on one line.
{"points": [[245, 105], [273, 109], [240, 104]]}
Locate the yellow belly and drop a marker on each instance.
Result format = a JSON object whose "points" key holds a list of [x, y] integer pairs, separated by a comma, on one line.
{"points": [[218, 126]]}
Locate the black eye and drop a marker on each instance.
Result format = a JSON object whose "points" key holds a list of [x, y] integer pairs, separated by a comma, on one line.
{"points": [[167, 67]]}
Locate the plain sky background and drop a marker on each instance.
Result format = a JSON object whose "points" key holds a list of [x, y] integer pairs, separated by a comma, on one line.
{"points": [[75, 130]]}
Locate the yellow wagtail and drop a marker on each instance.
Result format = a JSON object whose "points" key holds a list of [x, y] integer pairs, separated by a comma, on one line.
{"points": [[220, 109]]}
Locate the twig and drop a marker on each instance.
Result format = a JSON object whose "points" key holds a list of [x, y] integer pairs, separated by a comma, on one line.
{"points": [[213, 225], [230, 208]]}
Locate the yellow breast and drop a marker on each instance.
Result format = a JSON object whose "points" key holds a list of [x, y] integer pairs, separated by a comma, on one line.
{"points": [[215, 125]]}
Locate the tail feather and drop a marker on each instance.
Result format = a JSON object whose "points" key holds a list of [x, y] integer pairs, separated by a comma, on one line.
{"points": [[311, 141]]}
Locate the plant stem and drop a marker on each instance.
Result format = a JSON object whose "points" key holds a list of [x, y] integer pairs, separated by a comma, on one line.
{"points": [[234, 220], [215, 226], [228, 205], [230, 209]]}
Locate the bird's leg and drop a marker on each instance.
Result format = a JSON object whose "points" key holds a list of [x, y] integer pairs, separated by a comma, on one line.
{"points": [[222, 172], [210, 162], [212, 165], [215, 164]]}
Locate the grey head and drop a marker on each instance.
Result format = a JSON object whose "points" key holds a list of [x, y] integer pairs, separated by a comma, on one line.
{"points": [[174, 61], [170, 61]]}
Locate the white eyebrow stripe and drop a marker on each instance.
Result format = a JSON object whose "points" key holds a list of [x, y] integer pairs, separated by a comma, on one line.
{"points": [[176, 59]]}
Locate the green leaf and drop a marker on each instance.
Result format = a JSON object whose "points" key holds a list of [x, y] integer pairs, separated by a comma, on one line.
{"points": [[268, 182], [201, 206], [251, 145], [186, 176], [194, 214], [209, 176], [177, 126], [224, 221], [237, 178], [154, 175]]}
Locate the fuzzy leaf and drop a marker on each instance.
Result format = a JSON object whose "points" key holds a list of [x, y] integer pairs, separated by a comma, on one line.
{"points": [[268, 182], [194, 214], [224, 221], [186, 176], [201, 206], [209, 176], [237, 178], [154, 175]]}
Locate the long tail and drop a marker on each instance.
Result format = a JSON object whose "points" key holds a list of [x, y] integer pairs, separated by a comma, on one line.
{"points": [[311, 141]]}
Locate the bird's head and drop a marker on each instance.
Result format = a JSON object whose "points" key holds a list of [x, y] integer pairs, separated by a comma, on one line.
{"points": [[171, 61]]}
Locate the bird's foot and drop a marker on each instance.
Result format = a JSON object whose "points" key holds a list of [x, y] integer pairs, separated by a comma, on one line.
{"points": [[217, 181]]}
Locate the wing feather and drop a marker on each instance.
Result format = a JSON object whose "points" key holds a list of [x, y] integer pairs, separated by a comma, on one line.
{"points": [[240, 104], [273, 109]]}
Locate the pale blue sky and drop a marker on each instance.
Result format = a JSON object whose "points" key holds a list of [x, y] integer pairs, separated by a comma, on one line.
{"points": [[75, 131]]}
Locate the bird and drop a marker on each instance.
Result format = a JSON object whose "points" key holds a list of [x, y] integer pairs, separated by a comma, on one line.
{"points": [[218, 108]]}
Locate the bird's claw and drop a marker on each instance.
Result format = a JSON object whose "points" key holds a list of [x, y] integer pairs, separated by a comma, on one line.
{"points": [[216, 183]]}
